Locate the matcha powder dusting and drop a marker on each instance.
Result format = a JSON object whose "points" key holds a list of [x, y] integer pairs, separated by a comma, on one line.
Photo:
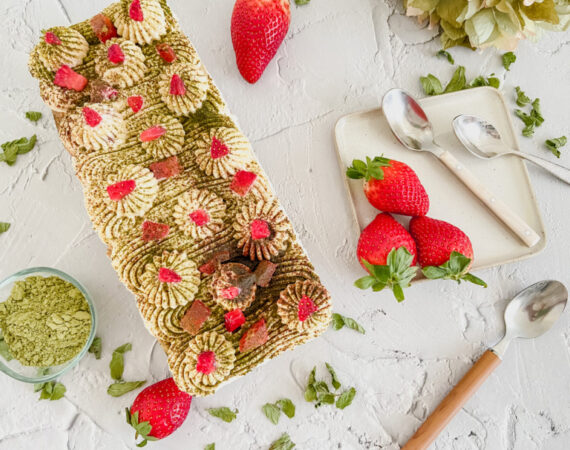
{"points": [[45, 321]]}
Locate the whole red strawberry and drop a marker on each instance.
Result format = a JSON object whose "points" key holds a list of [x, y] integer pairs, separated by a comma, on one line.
{"points": [[387, 251], [158, 411], [258, 29], [391, 186], [444, 250]]}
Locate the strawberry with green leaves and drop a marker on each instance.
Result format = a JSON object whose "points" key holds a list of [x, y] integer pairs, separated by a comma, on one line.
{"points": [[391, 186], [444, 251], [388, 253]]}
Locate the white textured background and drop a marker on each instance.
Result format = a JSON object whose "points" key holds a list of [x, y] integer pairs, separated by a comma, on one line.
{"points": [[340, 56]]}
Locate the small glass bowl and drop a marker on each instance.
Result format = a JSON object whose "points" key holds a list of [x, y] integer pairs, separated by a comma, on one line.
{"points": [[30, 374]]}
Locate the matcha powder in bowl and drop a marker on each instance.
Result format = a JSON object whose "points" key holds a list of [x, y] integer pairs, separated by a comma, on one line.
{"points": [[46, 321]]}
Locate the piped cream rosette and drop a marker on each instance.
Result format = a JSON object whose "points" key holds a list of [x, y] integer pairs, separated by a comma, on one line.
{"points": [[62, 45], [150, 28], [183, 87], [120, 74], [305, 306]]}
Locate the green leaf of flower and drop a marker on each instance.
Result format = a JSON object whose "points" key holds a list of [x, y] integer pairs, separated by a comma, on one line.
{"points": [[431, 85], [96, 347], [283, 443], [272, 412], [118, 389], [346, 398], [224, 413], [33, 116], [508, 58], [445, 54], [287, 406], [335, 382], [553, 145]]}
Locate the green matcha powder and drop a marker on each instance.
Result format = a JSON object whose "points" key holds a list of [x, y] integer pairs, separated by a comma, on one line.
{"points": [[45, 321]]}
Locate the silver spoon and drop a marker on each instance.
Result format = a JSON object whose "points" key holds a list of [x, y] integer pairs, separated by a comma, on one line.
{"points": [[528, 315], [412, 128], [483, 140]]}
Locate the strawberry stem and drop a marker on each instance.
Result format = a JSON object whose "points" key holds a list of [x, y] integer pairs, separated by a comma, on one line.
{"points": [[372, 168], [455, 268]]}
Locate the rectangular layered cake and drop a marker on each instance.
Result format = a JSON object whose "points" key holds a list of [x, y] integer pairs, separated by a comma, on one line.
{"points": [[174, 190]]}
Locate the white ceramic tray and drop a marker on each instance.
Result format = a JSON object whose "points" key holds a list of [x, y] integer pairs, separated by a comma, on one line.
{"points": [[367, 134]]}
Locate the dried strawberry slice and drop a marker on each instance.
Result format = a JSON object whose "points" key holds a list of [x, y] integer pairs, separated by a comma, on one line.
{"points": [[218, 148], [166, 275], [230, 292], [259, 229], [103, 27], [135, 11], [135, 102], [177, 85], [92, 117], [195, 317], [99, 91], [52, 39], [206, 362], [264, 272], [67, 78], [199, 217], [167, 168], [306, 308], [233, 320], [121, 189], [242, 182], [152, 133], [256, 336], [115, 54], [210, 266], [166, 52], [153, 231]]}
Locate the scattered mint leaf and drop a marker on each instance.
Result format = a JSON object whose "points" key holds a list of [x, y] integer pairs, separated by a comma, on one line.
{"points": [[287, 406], [96, 347], [553, 145], [372, 168], [458, 81], [4, 226], [41, 372], [535, 112], [302, 2], [117, 364], [339, 321], [118, 389], [224, 413], [14, 148], [482, 81], [310, 391], [456, 268], [445, 54], [52, 391], [431, 85], [346, 398], [522, 98], [5, 350], [211, 446], [532, 120], [283, 443], [335, 382], [321, 394], [142, 429], [272, 412], [508, 59], [33, 116]]}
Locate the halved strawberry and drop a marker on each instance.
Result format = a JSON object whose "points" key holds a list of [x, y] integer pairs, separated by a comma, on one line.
{"points": [[234, 319], [92, 117], [52, 39], [135, 102], [254, 337], [206, 362], [195, 317], [166, 52], [259, 229], [66, 77], [121, 189], [218, 148], [115, 54], [152, 133], [242, 182], [103, 27], [135, 11], [153, 231], [306, 308], [166, 275], [177, 85], [170, 167], [199, 217]]}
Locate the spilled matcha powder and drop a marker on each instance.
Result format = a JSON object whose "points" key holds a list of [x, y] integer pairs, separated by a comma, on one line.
{"points": [[45, 321]]}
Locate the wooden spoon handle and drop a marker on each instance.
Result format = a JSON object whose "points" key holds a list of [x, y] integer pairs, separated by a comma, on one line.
{"points": [[454, 401]]}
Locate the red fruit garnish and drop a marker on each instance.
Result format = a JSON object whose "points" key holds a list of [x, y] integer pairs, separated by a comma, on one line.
{"points": [[67, 78], [167, 168], [135, 11], [163, 406], [195, 317], [259, 229], [166, 275], [233, 320], [230, 292], [210, 266], [152, 231], [199, 217], [115, 54], [103, 27], [135, 102], [177, 85], [264, 272], [206, 362], [256, 336], [152, 133], [121, 189], [52, 39], [242, 182], [306, 308], [218, 148], [166, 52], [92, 117]]}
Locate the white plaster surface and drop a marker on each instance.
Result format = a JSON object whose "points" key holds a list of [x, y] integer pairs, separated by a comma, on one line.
{"points": [[340, 56]]}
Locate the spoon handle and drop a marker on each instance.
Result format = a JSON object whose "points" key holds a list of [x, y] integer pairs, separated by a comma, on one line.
{"points": [[454, 401], [557, 170], [501, 209]]}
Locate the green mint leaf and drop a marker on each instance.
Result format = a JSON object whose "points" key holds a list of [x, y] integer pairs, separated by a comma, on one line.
{"points": [[445, 54], [287, 406], [58, 391], [310, 393], [118, 389], [431, 85], [551, 144], [340, 321], [494, 82], [124, 348], [327, 398], [14, 148], [528, 131], [457, 81], [52, 391], [302, 2], [336, 384], [4, 226], [346, 398], [535, 113], [508, 58], [33, 116], [224, 413], [283, 443], [96, 347], [211, 446], [321, 387], [522, 98], [117, 364], [272, 412], [337, 321]]}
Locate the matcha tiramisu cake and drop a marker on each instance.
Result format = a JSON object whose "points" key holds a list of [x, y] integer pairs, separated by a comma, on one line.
{"points": [[173, 188]]}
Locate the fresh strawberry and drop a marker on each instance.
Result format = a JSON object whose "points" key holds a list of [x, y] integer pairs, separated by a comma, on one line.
{"points": [[388, 253], [135, 102], [233, 320], [391, 186], [92, 117], [170, 167], [195, 317], [52, 39], [153, 231], [177, 85], [135, 11], [68, 78], [206, 362], [115, 54], [444, 251], [152, 133], [259, 229], [166, 52], [103, 27], [254, 337], [166, 275], [258, 29], [306, 308], [242, 182], [158, 411], [120, 190]]}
